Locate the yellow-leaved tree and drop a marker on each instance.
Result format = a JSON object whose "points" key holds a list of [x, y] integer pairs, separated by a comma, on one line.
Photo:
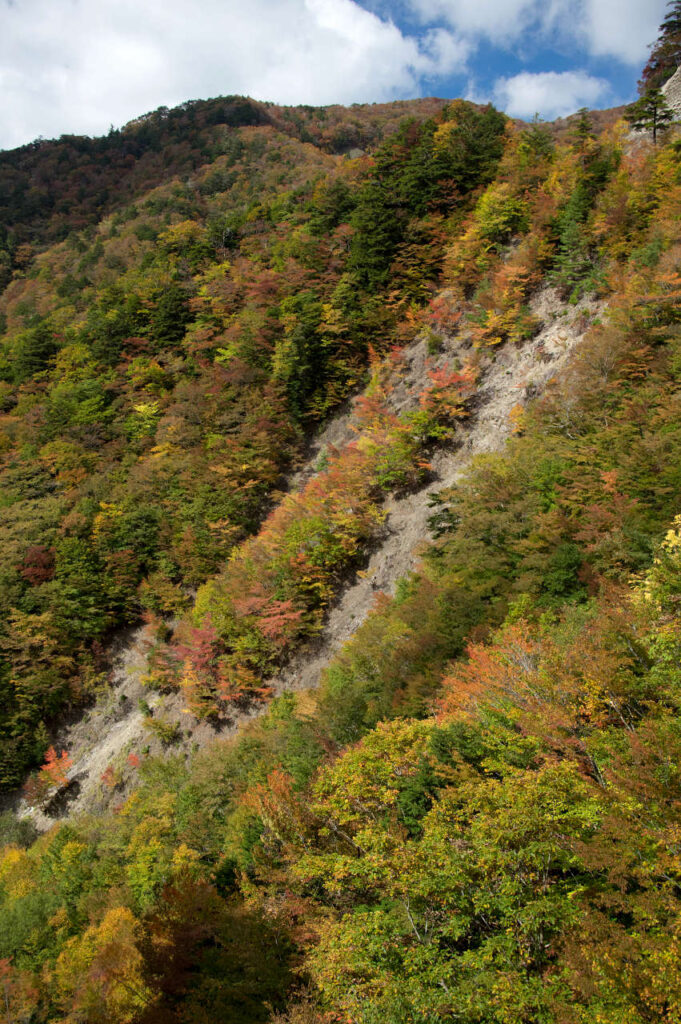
{"points": [[99, 974]]}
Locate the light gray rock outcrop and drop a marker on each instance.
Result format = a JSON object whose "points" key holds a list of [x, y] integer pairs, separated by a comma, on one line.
{"points": [[671, 91]]}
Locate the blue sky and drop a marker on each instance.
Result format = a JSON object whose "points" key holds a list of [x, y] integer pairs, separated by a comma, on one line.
{"points": [[555, 50], [79, 66]]}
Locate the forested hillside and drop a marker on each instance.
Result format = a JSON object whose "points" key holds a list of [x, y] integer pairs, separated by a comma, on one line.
{"points": [[159, 373], [51, 188], [476, 815]]}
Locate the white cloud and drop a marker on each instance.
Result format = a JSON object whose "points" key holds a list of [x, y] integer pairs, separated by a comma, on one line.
{"points": [[497, 20], [549, 93], [622, 28], [603, 28], [81, 65]]}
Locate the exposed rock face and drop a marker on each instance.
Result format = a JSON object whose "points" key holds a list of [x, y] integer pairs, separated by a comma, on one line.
{"points": [[101, 743], [672, 92]]}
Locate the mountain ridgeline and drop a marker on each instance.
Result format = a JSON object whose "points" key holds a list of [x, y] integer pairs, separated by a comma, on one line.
{"points": [[475, 816], [51, 188]]}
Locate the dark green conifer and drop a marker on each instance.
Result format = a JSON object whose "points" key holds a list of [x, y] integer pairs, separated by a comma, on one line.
{"points": [[665, 53], [651, 113]]}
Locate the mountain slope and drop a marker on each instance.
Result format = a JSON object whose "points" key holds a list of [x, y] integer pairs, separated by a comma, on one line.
{"points": [[51, 188], [158, 373], [119, 731], [475, 813]]}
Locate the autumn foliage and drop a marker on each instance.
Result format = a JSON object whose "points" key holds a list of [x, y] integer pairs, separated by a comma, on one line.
{"points": [[477, 814], [53, 775]]}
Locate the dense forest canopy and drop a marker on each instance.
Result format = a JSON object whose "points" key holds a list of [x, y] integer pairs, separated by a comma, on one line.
{"points": [[51, 188], [476, 815], [159, 372]]}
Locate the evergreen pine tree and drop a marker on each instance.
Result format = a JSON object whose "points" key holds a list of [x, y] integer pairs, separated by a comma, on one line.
{"points": [[536, 141], [651, 113], [582, 130]]}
